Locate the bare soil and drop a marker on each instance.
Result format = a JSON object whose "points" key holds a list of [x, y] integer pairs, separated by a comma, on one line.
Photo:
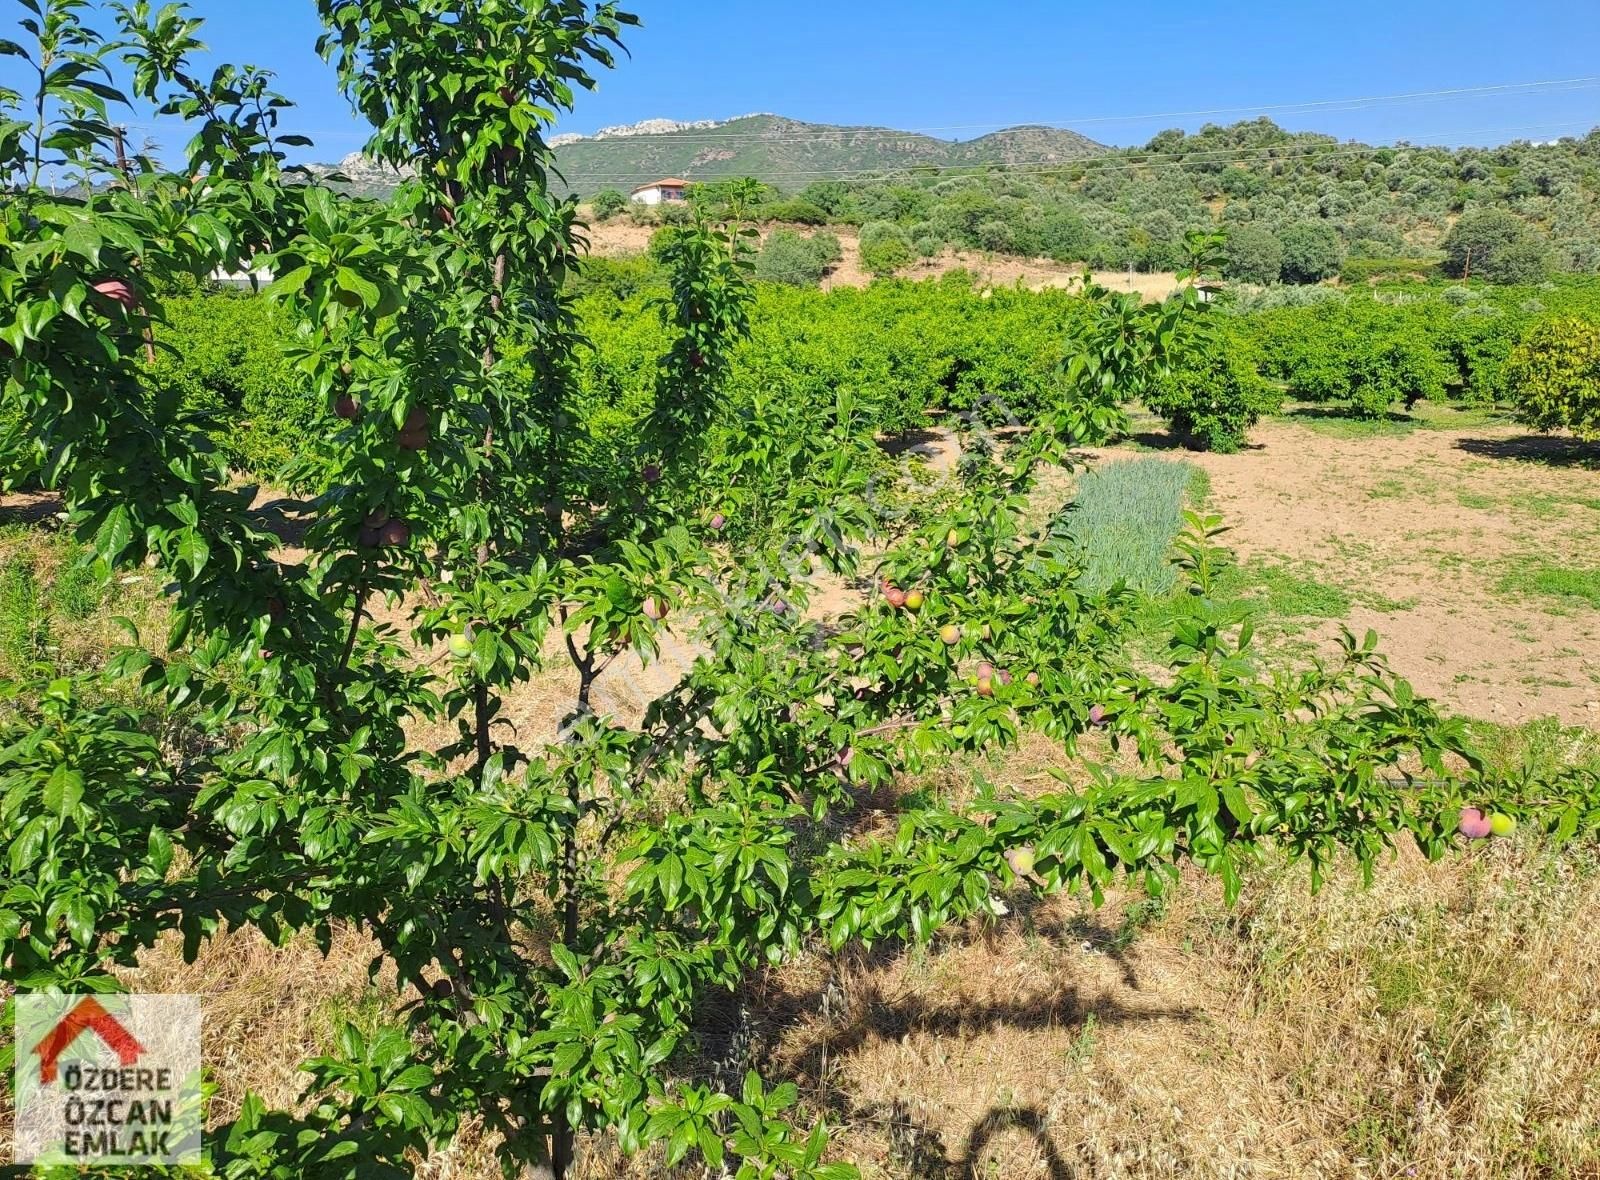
{"points": [[1420, 529], [619, 237]]}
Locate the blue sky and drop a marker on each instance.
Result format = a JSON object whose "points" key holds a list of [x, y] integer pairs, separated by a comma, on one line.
{"points": [[1105, 69]]}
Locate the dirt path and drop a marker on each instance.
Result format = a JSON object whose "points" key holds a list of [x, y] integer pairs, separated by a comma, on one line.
{"points": [[1423, 531]]}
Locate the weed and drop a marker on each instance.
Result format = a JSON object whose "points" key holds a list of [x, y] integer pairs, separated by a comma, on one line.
{"points": [[1571, 583], [1081, 1051], [1139, 916], [1543, 746], [1285, 593], [45, 586]]}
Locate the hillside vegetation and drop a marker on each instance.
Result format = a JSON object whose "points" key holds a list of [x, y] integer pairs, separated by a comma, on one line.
{"points": [[1299, 207], [787, 151]]}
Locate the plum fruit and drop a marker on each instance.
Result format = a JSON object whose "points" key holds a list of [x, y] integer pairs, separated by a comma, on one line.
{"points": [[1473, 824]]}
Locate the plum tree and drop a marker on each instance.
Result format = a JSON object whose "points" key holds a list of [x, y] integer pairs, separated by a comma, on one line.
{"points": [[552, 910]]}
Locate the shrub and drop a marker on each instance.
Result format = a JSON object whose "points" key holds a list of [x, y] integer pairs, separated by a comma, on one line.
{"points": [[1255, 255], [1553, 376], [1356, 350], [833, 197], [1214, 394], [1496, 246], [786, 257], [1311, 252], [674, 213], [797, 210], [222, 356], [1477, 340], [607, 203], [885, 248], [825, 245], [620, 277], [1369, 270], [1065, 237], [1399, 365]]}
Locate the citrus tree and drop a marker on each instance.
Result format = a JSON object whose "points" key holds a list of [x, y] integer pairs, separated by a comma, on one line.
{"points": [[1553, 375], [324, 741]]}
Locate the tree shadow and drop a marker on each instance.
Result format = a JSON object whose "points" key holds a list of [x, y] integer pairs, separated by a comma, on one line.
{"points": [[32, 508], [1340, 414], [1551, 450], [284, 517], [1158, 440], [917, 441], [1166, 440], [917, 1147], [1029, 1119], [868, 1016]]}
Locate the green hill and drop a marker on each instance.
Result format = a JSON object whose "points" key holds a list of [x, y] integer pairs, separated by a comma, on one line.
{"points": [[790, 154]]}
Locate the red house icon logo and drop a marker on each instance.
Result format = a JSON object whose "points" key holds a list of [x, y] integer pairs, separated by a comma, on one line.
{"points": [[87, 1015]]}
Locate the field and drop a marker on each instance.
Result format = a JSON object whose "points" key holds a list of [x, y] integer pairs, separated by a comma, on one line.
{"points": [[671, 706], [1439, 1024], [1467, 543]]}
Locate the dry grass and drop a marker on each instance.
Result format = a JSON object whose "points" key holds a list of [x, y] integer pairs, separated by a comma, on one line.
{"points": [[1444, 1023]]}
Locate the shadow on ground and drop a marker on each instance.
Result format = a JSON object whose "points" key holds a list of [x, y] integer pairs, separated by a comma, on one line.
{"points": [[920, 1150], [1551, 450], [849, 1010], [1342, 414], [30, 508]]}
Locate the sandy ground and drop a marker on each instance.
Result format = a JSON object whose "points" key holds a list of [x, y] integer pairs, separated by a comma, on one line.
{"points": [[1419, 529], [620, 237]]}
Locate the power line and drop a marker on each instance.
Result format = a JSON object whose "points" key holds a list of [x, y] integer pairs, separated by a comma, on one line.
{"points": [[1503, 89]]}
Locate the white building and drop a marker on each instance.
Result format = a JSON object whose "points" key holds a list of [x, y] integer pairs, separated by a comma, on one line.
{"points": [[659, 192]]}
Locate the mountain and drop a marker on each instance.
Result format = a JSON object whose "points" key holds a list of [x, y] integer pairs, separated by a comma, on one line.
{"points": [[783, 152], [361, 176], [790, 154]]}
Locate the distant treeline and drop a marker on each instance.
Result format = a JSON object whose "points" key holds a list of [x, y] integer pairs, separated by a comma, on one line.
{"points": [[1299, 207]]}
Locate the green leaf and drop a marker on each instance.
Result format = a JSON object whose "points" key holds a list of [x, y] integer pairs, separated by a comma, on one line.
{"points": [[84, 240], [62, 791], [114, 534]]}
